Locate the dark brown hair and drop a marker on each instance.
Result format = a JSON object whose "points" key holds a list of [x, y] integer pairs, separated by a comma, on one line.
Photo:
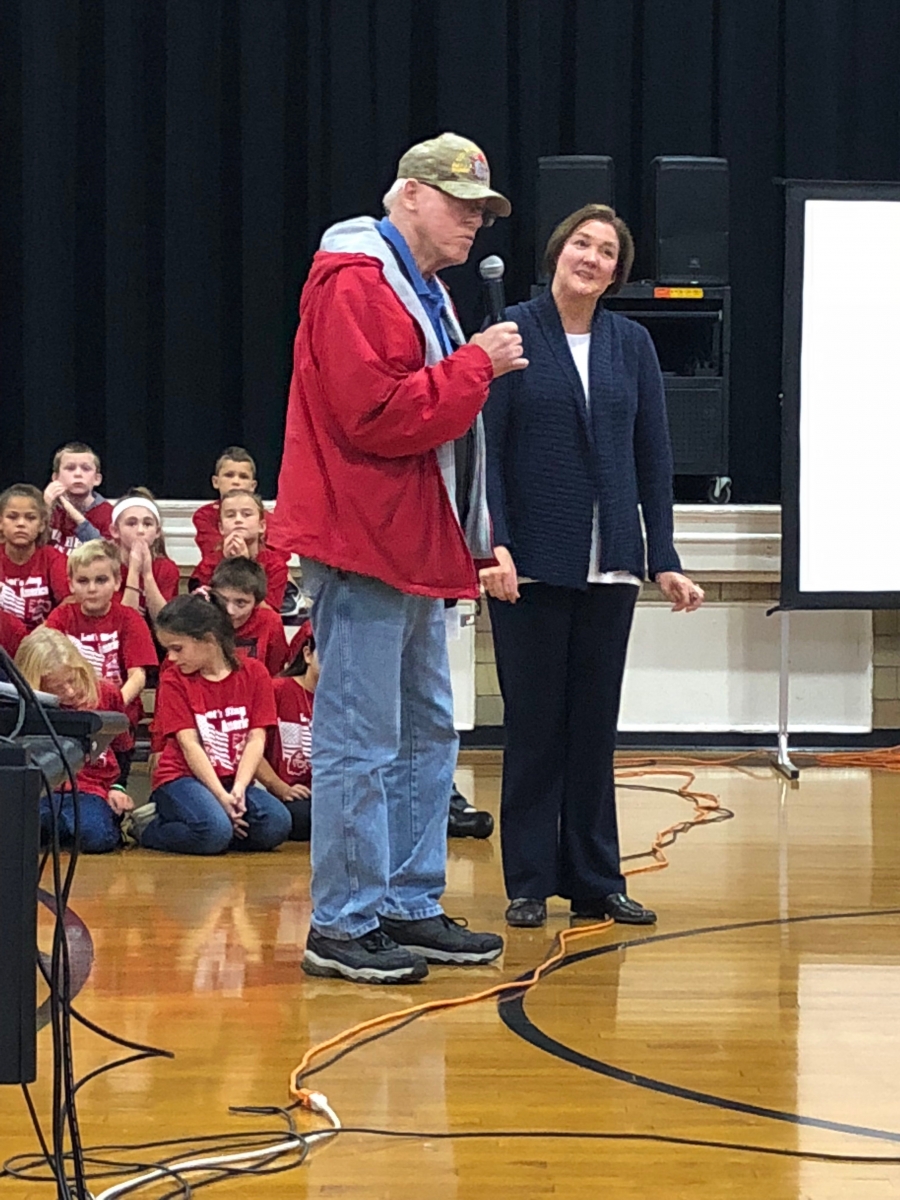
{"points": [[241, 575], [197, 615], [27, 491], [593, 212]]}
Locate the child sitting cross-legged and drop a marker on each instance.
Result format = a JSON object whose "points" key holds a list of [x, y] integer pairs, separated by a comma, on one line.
{"points": [[114, 639], [212, 714], [241, 585], [51, 663], [286, 769], [242, 527]]}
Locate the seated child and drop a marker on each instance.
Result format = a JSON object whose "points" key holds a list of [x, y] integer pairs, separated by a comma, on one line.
{"points": [[235, 471], [114, 639], [33, 577], [12, 630], [50, 662], [242, 530], [212, 713], [78, 513], [150, 578], [241, 585], [286, 769]]}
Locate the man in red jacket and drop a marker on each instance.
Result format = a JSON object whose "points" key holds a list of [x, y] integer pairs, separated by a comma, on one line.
{"points": [[382, 495]]}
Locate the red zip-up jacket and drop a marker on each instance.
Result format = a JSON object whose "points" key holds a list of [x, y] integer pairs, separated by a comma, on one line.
{"points": [[360, 487]]}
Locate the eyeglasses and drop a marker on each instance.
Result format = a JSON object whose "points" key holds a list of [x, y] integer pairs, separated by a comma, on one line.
{"points": [[478, 207]]}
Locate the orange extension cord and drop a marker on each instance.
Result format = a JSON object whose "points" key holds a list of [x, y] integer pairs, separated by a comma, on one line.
{"points": [[705, 805]]}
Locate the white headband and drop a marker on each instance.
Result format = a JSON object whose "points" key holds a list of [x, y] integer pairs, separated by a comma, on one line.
{"points": [[136, 502]]}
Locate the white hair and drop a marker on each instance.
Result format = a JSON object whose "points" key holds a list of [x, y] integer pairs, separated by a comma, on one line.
{"points": [[390, 196]]}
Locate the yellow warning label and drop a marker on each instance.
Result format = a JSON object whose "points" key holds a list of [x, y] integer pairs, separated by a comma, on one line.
{"points": [[677, 293]]}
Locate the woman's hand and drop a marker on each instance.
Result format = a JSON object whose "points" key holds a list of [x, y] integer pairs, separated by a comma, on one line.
{"points": [[501, 581], [682, 593]]}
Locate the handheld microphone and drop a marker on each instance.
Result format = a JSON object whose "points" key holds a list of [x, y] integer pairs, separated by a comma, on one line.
{"points": [[491, 270]]}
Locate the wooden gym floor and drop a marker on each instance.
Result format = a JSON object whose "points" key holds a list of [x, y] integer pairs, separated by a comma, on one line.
{"points": [[770, 1019]]}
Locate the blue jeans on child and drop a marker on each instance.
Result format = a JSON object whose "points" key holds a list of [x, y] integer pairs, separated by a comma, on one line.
{"points": [[190, 820], [383, 753], [99, 825]]}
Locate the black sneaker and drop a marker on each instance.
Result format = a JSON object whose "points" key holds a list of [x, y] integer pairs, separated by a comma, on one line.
{"points": [[440, 940], [372, 958], [466, 821]]}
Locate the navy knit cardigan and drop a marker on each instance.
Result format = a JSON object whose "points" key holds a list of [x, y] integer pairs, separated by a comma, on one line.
{"points": [[550, 457]]}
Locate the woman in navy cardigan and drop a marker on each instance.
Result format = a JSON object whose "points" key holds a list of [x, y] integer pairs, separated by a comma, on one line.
{"points": [[575, 444]]}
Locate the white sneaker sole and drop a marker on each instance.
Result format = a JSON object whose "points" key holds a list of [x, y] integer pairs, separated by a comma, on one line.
{"points": [[331, 968], [460, 958]]}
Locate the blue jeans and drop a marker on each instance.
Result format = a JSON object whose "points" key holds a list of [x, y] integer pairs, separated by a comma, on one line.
{"points": [[383, 753], [190, 820], [99, 825]]}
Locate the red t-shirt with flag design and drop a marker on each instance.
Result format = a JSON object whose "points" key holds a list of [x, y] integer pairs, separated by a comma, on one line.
{"points": [[112, 644], [289, 744], [223, 713], [30, 590], [63, 537]]}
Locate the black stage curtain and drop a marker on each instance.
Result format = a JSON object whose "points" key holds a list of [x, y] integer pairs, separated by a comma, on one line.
{"points": [[169, 165]]}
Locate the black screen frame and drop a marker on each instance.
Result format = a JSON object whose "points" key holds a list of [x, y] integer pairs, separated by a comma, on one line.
{"points": [[797, 192]]}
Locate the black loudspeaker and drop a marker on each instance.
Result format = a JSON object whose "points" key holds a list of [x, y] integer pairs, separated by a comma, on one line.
{"points": [[687, 220], [567, 182], [20, 789]]}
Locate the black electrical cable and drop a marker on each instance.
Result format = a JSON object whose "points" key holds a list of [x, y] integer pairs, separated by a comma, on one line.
{"points": [[64, 1114], [609, 1136], [716, 815]]}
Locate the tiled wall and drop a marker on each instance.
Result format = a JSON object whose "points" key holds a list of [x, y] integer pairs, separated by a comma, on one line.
{"points": [[886, 687]]}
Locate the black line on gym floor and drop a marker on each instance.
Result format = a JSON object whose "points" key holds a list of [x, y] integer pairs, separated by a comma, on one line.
{"points": [[512, 1013]]}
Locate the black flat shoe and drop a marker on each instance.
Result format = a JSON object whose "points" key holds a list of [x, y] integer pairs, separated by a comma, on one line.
{"points": [[526, 914], [619, 907]]}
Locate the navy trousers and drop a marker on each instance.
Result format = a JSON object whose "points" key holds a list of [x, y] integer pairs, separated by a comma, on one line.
{"points": [[560, 660]]}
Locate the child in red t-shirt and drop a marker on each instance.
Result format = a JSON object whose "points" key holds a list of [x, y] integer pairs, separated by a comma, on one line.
{"points": [[212, 713], [78, 513], [241, 585], [150, 578], [33, 577], [114, 639], [50, 661], [286, 769], [235, 471], [242, 529]]}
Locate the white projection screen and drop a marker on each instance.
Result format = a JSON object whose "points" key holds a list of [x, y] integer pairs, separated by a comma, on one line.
{"points": [[841, 412]]}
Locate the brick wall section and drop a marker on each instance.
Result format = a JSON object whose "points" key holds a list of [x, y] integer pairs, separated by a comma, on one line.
{"points": [[489, 703], [886, 686]]}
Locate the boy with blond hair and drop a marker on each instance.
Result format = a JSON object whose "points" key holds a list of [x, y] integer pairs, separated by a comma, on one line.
{"points": [[114, 639]]}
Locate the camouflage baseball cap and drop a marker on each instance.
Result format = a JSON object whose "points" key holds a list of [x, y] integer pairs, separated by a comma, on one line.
{"points": [[455, 166]]}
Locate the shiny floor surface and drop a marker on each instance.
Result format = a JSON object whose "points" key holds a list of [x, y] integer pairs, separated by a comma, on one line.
{"points": [[761, 1011]]}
